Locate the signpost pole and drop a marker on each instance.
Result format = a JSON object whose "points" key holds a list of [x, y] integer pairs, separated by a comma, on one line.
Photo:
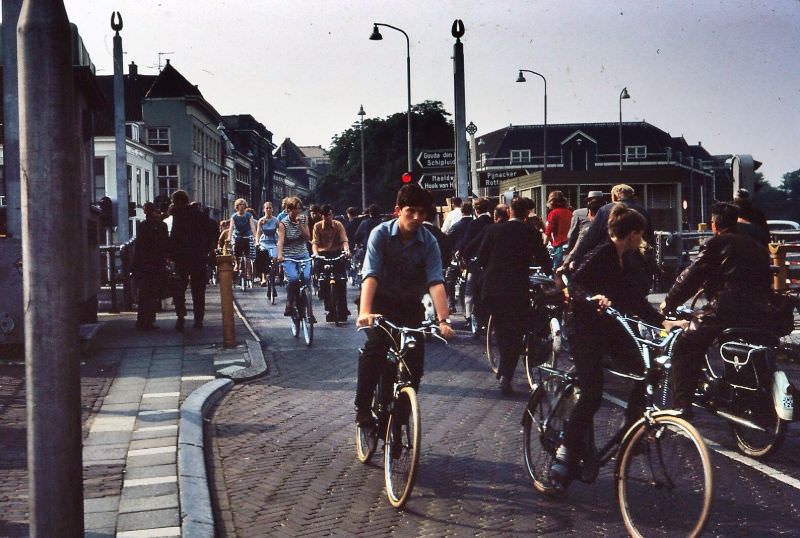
{"points": [[459, 122]]}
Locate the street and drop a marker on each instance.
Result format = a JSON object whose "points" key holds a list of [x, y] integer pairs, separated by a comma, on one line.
{"points": [[283, 461]]}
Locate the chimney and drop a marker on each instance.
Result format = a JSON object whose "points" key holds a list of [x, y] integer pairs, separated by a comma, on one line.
{"points": [[133, 69]]}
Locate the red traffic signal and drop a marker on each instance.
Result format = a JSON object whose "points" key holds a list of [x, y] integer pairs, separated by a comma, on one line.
{"points": [[407, 177]]}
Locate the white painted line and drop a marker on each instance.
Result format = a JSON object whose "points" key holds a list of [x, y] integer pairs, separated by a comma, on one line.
{"points": [[246, 323], [735, 456], [151, 451], [149, 481], [198, 378], [150, 533], [161, 395], [157, 412], [112, 424], [157, 428]]}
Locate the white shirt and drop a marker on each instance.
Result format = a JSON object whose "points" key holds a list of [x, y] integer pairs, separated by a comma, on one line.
{"points": [[451, 218]]}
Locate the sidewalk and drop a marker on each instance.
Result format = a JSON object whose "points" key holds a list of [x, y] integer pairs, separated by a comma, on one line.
{"points": [[134, 387]]}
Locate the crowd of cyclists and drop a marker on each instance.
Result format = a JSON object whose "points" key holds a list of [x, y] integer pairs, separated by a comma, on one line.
{"points": [[600, 254]]}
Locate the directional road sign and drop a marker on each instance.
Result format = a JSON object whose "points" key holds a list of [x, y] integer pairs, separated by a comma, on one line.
{"points": [[438, 182], [494, 177], [437, 158]]}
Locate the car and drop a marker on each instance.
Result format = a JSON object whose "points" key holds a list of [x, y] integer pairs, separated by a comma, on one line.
{"points": [[782, 225]]}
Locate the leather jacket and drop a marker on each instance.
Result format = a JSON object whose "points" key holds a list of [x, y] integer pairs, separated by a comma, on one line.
{"points": [[735, 273]]}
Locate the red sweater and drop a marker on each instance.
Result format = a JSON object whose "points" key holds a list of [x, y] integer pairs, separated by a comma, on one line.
{"points": [[558, 221]]}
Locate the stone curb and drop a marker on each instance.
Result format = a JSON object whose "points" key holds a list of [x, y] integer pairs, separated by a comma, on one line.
{"points": [[197, 514], [257, 368]]}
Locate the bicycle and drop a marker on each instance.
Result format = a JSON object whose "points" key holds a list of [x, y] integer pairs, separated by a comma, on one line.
{"points": [[356, 262], [244, 270], [661, 454], [393, 399], [543, 339], [335, 288], [272, 292], [301, 313]]}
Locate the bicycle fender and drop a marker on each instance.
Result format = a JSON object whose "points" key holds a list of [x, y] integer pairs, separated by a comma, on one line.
{"points": [[783, 396], [527, 416]]}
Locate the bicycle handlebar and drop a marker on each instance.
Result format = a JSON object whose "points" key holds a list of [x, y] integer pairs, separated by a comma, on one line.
{"points": [[337, 258], [426, 327]]}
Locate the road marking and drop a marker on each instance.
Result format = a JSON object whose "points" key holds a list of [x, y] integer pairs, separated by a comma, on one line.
{"points": [[150, 533], [151, 451], [735, 456], [157, 412], [157, 428], [197, 378], [149, 481], [161, 395]]}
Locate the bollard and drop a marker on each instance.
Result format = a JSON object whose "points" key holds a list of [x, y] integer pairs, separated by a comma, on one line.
{"points": [[225, 281]]}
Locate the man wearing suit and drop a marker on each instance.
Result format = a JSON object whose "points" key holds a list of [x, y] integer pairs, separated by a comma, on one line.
{"points": [[581, 220], [473, 236], [507, 250]]}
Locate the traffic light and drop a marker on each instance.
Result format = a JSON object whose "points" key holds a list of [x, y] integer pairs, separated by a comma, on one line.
{"points": [[407, 178]]}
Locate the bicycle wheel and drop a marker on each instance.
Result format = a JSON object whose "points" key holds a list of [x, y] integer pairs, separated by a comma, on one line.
{"points": [[272, 293], [761, 410], [664, 479], [492, 349], [305, 319], [401, 452], [543, 424], [333, 291], [296, 317]]}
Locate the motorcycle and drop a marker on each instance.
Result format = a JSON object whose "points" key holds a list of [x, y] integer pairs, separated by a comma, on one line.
{"points": [[742, 384]]}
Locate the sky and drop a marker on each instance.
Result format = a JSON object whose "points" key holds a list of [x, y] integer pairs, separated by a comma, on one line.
{"points": [[723, 73]]}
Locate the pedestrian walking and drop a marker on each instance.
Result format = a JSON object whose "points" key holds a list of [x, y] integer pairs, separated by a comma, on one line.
{"points": [[149, 265], [193, 235], [558, 221]]}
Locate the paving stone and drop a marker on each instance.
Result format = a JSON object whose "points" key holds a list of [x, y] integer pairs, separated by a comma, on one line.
{"points": [[142, 504], [104, 452], [153, 490], [102, 504], [106, 438], [151, 460], [151, 519], [153, 434], [100, 520], [149, 472], [171, 440]]}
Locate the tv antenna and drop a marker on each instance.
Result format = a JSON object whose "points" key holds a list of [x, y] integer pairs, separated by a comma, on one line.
{"points": [[160, 54]]}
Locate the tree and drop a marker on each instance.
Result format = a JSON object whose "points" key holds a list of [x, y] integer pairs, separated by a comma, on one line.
{"points": [[385, 155], [791, 188]]}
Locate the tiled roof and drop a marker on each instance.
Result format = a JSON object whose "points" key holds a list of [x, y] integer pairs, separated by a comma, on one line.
{"points": [[136, 87], [499, 143], [314, 152], [170, 83]]}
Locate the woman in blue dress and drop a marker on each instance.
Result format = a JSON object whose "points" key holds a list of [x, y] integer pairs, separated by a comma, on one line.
{"points": [[267, 241]]}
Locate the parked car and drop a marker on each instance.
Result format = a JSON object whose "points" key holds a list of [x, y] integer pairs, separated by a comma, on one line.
{"points": [[782, 225]]}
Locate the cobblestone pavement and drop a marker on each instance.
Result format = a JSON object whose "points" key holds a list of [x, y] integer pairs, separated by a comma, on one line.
{"points": [[284, 464]]}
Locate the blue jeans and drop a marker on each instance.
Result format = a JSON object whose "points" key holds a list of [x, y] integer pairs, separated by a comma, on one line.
{"points": [[292, 271], [558, 256]]}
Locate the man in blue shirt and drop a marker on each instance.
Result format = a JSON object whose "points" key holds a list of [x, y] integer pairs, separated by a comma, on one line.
{"points": [[402, 263]]}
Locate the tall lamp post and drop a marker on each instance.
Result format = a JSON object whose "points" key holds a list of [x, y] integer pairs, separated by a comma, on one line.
{"points": [[363, 173], [521, 78], [376, 36], [622, 95]]}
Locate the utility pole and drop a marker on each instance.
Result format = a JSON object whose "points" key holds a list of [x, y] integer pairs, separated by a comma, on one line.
{"points": [[460, 122], [123, 233], [49, 172]]}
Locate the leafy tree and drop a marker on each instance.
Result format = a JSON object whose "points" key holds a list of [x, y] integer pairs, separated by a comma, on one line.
{"points": [[385, 155], [791, 187]]}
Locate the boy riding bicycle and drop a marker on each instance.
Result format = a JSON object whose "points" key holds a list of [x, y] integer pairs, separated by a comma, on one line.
{"points": [[402, 263]]}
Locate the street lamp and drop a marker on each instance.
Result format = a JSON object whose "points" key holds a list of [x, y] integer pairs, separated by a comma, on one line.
{"points": [[521, 78], [363, 174], [622, 95], [376, 36]]}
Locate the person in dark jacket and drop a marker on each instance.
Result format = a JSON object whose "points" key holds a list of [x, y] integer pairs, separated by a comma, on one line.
{"points": [[366, 225], [746, 224], [475, 229], [735, 274], [598, 231], [613, 274], [149, 265], [192, 236], [507, 250]]}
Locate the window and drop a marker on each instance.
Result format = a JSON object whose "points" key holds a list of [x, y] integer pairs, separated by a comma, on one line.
{"points": [[520, 156], [167, 176], [99, 177], [147, 185], [633, 153], [158, 138], [129, 173], [138, 186]]}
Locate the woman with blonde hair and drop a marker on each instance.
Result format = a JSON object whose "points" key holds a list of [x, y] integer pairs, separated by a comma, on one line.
{"points": [[242, 231]]}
